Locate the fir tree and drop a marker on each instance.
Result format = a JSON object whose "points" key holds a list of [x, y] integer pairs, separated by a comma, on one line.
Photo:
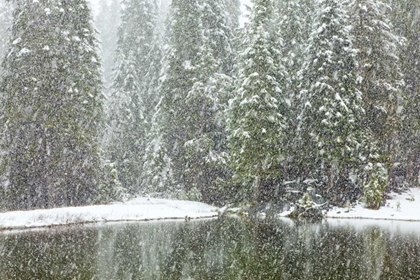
{"points": [[379, 74], [291, 25], [405, 16], [206, 145], [218, 33], [52, 107], [332, 112], [233, 8], [255, 117], [158, 172], [189, 134], [206, 142], [294, 19], [180, 72], [129, 103]]}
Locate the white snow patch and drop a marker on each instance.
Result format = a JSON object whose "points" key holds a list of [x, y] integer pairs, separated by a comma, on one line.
{"points": [[24, 51], [286, 213], [17, 41], [139, 209], [187, 65], [402, 207]]}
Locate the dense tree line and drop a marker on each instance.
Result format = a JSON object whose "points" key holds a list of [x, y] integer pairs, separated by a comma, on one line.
{"points": [[179, 90], [320, 102], [317, 96]]}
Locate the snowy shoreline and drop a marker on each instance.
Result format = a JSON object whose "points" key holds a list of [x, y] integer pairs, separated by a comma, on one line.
{"points": [[399, 207], [403, 207], [136, 210]]}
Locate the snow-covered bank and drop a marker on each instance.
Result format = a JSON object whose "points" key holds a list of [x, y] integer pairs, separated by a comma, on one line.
{"points": [[139, 209], [396, 227], [402, 207]]}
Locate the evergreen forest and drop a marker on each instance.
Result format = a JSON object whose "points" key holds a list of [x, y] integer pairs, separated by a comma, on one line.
{"points": [[188, 99]]}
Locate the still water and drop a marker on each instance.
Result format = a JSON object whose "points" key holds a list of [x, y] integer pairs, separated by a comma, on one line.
{"points": [[230, 248]]}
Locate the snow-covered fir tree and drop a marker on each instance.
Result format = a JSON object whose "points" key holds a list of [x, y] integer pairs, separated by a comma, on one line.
{"points": [[155, 164], [379, 74], [157, 171], [293, 19], [179, 75], [129, 103], [332, 104], [291, 25], [207, 99], [189, 133], [206, 145], [218, 33], [255, 116], [233, 8], [406, 19], [51, 109]]}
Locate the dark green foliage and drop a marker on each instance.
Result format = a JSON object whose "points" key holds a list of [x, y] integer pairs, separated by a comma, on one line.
{"points": [[180, 74], [331, 102], [379, 75], [306, 90], [52, 107], [405, 16], [189, 142], [255, 116]]}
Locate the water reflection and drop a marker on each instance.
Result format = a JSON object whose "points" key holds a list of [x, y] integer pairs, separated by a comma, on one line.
{"points": [[231, 248]]}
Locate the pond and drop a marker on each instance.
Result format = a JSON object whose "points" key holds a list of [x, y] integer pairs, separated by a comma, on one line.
{"points": [[230, 248]]}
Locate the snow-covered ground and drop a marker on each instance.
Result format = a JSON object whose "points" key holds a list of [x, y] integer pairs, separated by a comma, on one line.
{"points": [[139, 209], [397, 227], [403, 207]]}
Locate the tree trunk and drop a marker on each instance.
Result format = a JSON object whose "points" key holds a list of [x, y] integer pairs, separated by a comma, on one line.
{"points": [[257, 189], [391, 175], [410, 169], [255, 197], [416, 170], [330, 176]]}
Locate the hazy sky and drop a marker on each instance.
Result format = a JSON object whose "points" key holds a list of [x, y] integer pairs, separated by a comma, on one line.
{"points": [[95, 5], [244, 10]]}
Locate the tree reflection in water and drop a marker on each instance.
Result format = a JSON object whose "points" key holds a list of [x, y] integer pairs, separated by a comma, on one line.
{"points": [[230, 248]]}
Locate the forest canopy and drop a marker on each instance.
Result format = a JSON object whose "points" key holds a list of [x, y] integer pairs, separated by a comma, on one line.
{"points": [[307, 99]]}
